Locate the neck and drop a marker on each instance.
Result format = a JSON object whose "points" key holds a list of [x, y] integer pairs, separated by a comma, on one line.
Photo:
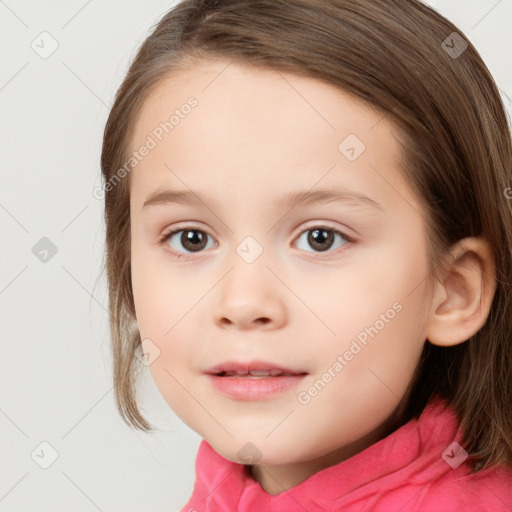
{"points": [[275, 479]]}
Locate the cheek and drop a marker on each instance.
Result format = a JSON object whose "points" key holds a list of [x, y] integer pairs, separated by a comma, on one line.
{"points": [[165, 300], [377, 313], [163, 313], [163, 318], [377, 363], [160, 298], [375, 281]]}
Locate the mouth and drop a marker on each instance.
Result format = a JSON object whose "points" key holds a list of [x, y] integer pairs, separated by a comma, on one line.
{"points": [[256, 380]]}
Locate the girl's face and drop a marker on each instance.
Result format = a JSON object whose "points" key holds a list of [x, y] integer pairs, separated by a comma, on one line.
{"points": [[332, 287]]}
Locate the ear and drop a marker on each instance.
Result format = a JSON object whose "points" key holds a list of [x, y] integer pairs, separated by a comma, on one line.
{"points": [[461, 304]]}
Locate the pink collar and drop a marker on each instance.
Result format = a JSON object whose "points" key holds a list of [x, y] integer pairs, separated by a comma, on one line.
{"points": [[410, 455]]}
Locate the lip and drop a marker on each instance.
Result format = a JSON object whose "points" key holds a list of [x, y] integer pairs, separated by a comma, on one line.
{"points": [[248, 387]]}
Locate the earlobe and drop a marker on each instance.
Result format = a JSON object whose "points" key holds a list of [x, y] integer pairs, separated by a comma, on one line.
{"points": [[461, 304]]}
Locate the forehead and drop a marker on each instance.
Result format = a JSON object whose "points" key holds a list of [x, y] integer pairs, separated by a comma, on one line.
{"points": [[251, 99], [250, 126]]}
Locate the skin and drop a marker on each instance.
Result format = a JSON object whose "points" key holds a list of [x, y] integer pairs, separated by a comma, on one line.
{"points": [[254, 137]]}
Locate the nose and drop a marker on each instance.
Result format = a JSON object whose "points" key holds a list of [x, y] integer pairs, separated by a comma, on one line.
{"points": [[250, 297]]}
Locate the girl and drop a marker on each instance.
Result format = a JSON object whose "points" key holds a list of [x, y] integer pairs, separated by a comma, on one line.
{"points": [[309, 244]]}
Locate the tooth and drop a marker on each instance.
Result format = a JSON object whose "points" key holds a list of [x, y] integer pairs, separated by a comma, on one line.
{"points": [[255, 373]]}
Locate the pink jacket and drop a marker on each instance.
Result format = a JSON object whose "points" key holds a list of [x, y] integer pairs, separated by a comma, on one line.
{"points": [[417, 468]]}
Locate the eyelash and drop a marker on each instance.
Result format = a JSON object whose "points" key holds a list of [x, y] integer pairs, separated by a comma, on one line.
{"points": [[185, 256]]}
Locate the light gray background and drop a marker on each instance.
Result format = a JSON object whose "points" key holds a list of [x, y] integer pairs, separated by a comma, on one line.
{"points": [[55, 367]]}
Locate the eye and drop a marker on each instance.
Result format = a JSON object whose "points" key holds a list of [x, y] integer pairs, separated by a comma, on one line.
{"points": [[322, 238], [193, 240]]}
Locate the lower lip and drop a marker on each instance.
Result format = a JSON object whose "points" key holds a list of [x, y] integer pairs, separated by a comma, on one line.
{"points": [[255, 388]]}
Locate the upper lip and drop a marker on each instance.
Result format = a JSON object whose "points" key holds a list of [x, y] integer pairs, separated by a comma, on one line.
{"points": [[235, 366]]}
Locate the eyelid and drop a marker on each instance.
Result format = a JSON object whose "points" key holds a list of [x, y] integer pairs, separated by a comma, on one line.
{"points": [[183, 226], [328, 225], [306, 227]]}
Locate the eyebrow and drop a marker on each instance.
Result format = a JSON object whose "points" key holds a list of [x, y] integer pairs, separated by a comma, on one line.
{"points": [[290, 200]]}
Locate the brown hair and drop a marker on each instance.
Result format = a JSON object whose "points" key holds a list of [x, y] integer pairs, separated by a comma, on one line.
{"points": [[457, 157]]}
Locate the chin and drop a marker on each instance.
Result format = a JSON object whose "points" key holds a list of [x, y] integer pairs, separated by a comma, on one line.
{"points": [[253, 450]]}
